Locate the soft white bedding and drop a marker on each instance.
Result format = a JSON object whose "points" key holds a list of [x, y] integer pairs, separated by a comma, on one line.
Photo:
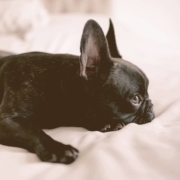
{"points": [[141, 152]]}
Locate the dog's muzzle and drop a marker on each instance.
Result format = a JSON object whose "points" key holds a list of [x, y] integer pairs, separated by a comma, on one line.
{"points": [[146, 113]]}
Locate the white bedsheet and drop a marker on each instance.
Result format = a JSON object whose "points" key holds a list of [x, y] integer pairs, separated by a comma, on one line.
{"points": [[141, 152]]}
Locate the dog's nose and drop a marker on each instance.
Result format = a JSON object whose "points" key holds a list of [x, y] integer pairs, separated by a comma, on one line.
{"points": [[149, 102], [147, 99], [148, 114]]}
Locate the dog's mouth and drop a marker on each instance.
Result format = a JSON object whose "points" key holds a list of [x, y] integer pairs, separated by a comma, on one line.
{"points": [[145, 114]]}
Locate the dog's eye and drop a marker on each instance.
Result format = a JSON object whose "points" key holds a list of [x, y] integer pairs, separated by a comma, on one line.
{"points": [[136, 100]]}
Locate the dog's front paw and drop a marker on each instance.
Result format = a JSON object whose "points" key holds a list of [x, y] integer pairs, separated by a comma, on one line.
{"points": [[112, 127], [57, 153], [106, 128], [118, 126]]}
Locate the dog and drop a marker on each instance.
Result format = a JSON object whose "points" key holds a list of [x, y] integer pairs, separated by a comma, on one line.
{"points": [[97, 90]]}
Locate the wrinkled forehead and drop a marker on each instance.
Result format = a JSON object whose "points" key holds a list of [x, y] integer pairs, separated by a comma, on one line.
{"points": [[128, 77]]}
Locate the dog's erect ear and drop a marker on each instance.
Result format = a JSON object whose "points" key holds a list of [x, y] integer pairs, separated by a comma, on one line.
{"points": [[94, 50], [112, 41]]}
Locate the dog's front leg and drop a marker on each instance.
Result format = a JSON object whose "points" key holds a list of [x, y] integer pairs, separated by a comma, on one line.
{"points": [[20, 132]]}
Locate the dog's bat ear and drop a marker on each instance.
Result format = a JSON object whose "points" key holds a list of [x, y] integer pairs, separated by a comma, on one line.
{"points": [[112, 41], [94, 50]]}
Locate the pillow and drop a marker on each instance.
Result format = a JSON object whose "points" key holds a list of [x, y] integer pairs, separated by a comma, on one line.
{"points": [[20, 16]]}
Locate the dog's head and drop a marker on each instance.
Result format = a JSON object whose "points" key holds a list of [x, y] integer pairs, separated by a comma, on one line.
{"points": [[118, 88]]}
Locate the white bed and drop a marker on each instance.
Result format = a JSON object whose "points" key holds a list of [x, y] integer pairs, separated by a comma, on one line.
{"points": [[137, 152]]}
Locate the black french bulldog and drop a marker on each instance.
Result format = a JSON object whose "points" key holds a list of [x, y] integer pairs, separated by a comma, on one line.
{"points": [[98, 91]]}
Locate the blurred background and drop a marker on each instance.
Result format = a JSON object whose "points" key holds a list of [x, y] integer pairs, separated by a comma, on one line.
{"points": [[142, 26]]}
